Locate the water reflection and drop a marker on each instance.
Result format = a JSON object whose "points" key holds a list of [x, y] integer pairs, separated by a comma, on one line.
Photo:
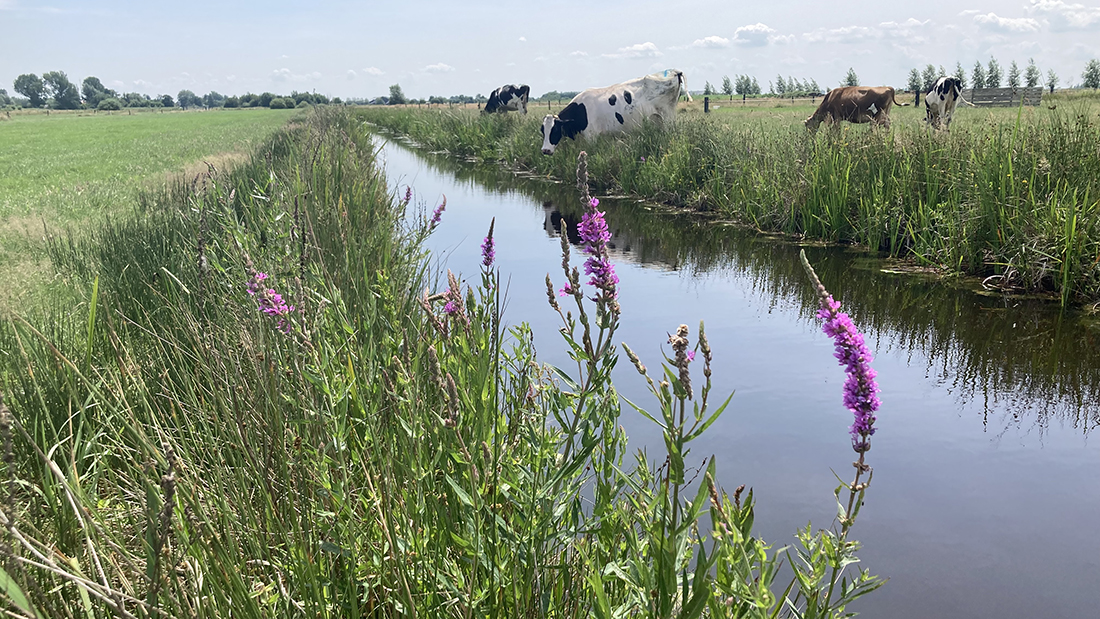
{"points": [[1022, 362]]}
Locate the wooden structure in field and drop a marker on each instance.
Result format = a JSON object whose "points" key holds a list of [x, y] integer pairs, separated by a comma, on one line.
{"points": [[1003, 97]]}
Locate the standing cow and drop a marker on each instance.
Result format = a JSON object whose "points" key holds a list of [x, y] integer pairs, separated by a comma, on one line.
{"points": [[855, 104], [940, 102], [508, 98], [615, 108]]}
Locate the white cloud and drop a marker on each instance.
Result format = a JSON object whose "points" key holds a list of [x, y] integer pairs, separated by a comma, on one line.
{"points": [[1062, 16], [578, 53], [439, 67], [141, 83], [280, 75], [284, 75], [230, 78], [374, 71], [993, 21], [846, 34], [640, 50], [712, 42], [352, 74], [754, 35], [524, 39]]}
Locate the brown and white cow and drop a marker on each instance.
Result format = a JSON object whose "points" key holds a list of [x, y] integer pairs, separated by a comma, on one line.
{"points": [[940, 102], [615, 108], [855, 104]]}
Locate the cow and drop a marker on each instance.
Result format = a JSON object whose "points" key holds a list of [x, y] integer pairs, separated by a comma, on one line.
{"points": [[508, 98], [614, 109], [940, 102], [855, 104]]}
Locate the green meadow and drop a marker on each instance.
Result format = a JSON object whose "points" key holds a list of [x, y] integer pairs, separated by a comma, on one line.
{"points": [[1010, 195], [256, 400], [62, 172]]}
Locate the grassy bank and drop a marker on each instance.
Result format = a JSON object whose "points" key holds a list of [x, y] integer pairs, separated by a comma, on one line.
{"points": [[67, 171], [255, 411], [1009, 194]]}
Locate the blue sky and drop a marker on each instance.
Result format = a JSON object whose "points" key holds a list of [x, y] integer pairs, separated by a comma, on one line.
{"points": [[357, 49]]}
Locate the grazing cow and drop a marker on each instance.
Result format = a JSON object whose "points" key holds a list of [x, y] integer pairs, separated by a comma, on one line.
{"points": [[508, 98], [615, 108], [855, 104], [940, 102]]}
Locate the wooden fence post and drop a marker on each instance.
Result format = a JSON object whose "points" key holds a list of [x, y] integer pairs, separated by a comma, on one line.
{"points": [[706, 105]]}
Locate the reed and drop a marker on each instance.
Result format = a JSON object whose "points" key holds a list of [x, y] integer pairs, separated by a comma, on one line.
{"points": [[1003, 195]]}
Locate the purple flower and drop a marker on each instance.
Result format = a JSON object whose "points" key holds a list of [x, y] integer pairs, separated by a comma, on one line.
{"points": [[565, 290], [691, 355], [408, 194], [860, 390], [268, 301], [594, 202], [595, 235], [450, 307], [437, 214], [488, 252]]}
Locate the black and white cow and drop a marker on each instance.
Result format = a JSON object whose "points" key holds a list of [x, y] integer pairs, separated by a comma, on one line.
{"points": [[615, 108], [940, 102], [508, 98]]}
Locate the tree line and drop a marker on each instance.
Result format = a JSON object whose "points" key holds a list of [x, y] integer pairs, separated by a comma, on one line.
{"points": [[992, 75], [55, 91]]}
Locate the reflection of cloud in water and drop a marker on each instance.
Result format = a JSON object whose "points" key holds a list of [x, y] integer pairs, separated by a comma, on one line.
{"points": [[1022, 363]]}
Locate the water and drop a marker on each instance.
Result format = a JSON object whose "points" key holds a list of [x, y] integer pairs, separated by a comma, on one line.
{"points": [[985, 493]]}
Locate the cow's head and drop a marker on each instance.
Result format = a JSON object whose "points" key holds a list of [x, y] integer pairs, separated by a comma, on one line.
{"points": [[568, 123], [813, 122]]}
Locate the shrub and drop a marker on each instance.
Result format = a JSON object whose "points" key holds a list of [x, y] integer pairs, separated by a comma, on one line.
{"points": [[277, 104], [109, 104]]}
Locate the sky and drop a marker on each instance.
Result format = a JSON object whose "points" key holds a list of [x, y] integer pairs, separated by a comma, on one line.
{"points": [[449, 47]]}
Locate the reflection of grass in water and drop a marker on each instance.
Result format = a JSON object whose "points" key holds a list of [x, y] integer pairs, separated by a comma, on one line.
{"points": [[1010, 192], [1029, 359]]}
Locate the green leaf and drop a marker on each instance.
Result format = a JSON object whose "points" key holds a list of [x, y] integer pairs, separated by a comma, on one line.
{"points": [[645, 414], [462, 495], [13, 593]]}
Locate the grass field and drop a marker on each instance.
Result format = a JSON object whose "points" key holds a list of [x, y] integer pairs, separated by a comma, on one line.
{"points": [[1011, 194], [249, 407], [68, 171]]}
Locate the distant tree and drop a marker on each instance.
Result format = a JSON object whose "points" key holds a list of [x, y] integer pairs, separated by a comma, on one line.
{"points": [[993, 74], [63, 92], [110, 103], [4, 98], [813, 86], [213, 99], [186, 99], [943, 71], [960, 73], [278, 103], [266, 99], [1092, 74], [30, 86], [928, 78], [708, 89], [231, 102], [1052, 80], [397, 97], [780, 85], [727, 86], [135, 99], [851, 79], [1013, 75], [1032, 75], [304, 103], [166, 101], [755, 87], [93, 91], [915, 83], [978, 74]]}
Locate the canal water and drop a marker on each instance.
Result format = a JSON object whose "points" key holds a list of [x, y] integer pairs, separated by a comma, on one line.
{"points": [[985, 499]]}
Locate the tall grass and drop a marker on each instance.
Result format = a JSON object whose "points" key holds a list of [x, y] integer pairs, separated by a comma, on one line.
{"points": [[1004, 197], [185, 444]]}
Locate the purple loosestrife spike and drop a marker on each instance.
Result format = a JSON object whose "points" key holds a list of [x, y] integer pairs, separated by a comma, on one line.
{"points": [[860, 389], [268, 301], [565, 290], [437, 214], [488, 251]]}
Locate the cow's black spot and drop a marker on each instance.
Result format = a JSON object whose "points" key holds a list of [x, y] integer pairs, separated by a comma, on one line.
{"points": [[555, 133], [941, 97], [612, 100], [574, 119], [627, 96], [619, 117]]}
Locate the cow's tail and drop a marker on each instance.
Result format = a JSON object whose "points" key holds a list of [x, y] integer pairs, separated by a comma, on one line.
{"points": [[683, 84], [894, 94]]}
